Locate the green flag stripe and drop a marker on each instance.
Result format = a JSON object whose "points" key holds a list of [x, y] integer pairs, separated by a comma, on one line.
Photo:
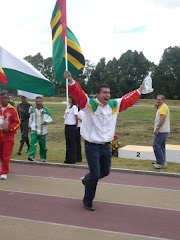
{"points": [[29, 83], [55, 13]]}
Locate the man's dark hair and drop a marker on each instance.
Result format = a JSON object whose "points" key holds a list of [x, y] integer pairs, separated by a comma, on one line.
{"points": [[4, 92], [73, 101], [38, 97], [100, 87]]}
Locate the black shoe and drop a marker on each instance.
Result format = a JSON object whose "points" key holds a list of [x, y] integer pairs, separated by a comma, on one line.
{"points": [[19, 153], [89, 208], [83, 180], [31, 159]]}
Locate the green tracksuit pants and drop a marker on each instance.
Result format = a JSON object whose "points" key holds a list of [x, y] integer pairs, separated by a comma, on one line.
{"points": [[42, 144]]}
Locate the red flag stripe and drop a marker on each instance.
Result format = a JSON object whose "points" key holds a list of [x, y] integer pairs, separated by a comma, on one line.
{"points": [[3, 77], [62, 7]]}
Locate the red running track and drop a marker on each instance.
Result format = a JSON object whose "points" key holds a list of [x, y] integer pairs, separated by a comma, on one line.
{"points": [[154, 222]]}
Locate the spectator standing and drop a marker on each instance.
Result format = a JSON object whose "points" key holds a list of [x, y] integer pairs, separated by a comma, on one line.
{"points": [[39, 119], [71, 122], [23, 109], [161, 129], [9, 123]]}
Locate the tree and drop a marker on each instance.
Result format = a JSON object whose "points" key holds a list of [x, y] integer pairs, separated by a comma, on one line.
{"points": [[133, 68], [122, 75], [84, 75], [166, 78], [37, 61], [97, 76]]}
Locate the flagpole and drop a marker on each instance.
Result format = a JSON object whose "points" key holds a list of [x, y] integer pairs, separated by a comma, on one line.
{"points": [[66, 69]]}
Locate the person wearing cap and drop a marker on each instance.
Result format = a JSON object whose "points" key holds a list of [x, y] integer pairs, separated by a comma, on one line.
{"points": [[23, 109], [97, 129]]}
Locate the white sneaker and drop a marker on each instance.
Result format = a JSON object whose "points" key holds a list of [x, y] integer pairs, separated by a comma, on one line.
{"points": [[157, 166], [43, 160], [3, 176]]}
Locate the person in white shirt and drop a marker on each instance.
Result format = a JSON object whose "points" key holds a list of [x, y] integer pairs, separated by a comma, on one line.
{"points": [[71, 122], [78, 136], [98, 128], [39, 119]]}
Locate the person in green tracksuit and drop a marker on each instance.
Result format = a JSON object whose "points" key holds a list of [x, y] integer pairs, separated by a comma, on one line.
{"points": [[39, 119], [23, 109]]}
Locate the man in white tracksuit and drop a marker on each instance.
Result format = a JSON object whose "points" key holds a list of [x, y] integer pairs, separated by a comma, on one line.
{"points": [[39, 119], [98, 128]]}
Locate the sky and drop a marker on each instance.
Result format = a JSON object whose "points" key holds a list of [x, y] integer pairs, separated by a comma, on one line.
{"points": [[103, 28]]}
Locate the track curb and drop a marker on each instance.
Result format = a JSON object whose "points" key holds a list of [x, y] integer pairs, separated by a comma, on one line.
{"points": [[86, 167]]}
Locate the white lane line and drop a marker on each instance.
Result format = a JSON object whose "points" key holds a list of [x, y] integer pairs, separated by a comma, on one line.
{"points": [[69, 179], [85, 228], [99, 201]]}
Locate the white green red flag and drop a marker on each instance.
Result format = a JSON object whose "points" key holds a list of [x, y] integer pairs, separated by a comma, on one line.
{"points": [[23, 76], [3, 77]]}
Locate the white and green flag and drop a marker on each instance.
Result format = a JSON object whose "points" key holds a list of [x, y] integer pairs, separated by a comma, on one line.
{"points": [[28, 94], [23, 76]]}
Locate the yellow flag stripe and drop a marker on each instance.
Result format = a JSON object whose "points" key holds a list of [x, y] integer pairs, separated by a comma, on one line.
{"points": [[1, 70], [58, 32], [74, 61], [74, 45], [55, 19]]}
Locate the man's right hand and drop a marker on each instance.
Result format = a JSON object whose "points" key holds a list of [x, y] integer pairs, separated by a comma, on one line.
{"points": [[68, 76]]}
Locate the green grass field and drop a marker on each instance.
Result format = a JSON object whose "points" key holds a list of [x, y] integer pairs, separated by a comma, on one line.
{"points": [[134, 126]]}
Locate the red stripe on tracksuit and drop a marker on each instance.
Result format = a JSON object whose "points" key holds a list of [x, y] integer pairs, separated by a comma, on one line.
{"points": [[7, 137], [79, 96]]}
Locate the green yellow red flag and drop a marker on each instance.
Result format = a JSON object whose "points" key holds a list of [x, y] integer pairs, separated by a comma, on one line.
{"points": [[75, 56]]}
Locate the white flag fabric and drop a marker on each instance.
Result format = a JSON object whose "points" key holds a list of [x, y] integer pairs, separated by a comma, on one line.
{"points": [[28, 94]]}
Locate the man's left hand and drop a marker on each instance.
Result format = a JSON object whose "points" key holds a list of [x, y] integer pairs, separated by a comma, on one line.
{"points": [[141, 87]]}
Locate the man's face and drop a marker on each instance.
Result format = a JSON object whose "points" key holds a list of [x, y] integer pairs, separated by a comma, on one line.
{"points": [[39, 103], [160, 100], [23, 100], [104, 95], [4, 100]]}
